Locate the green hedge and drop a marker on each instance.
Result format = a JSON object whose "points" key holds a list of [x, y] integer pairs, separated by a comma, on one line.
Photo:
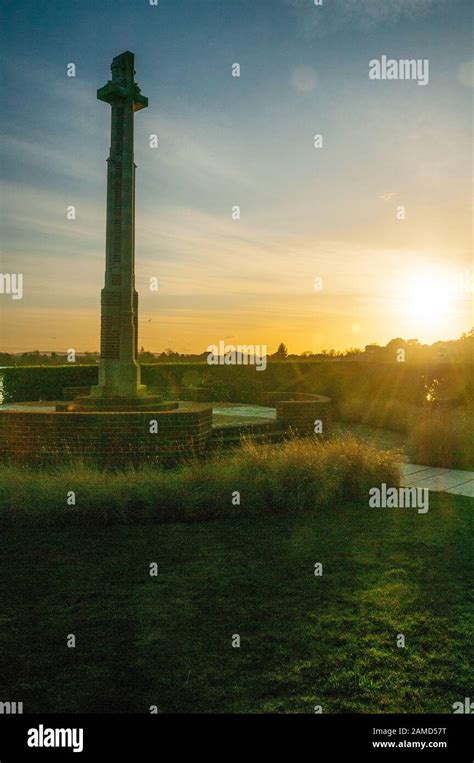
{"points": [[339, 380], [33, 383]]}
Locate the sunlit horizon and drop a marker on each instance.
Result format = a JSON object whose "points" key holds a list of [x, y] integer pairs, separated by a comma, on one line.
{"points": [[358, 241]]}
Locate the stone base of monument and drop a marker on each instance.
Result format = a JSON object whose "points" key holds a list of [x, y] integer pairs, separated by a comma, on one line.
{"points": [[119, 404], [40, 434]]}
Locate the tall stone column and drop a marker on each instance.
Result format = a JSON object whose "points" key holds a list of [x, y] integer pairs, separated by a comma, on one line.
{"points": [[119, 372]]}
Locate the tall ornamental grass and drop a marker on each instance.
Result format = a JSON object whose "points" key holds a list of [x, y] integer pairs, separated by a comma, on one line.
{"points": [[297, 476], [443, 438]]}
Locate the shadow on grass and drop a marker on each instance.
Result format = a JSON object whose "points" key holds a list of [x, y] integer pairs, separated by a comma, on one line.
{"points": [[305, 640]]}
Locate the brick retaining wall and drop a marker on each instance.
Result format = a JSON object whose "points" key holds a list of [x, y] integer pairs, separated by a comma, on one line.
{"points": [[302, 412], [104, 438]]}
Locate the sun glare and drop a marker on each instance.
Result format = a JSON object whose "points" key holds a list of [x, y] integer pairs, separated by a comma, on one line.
{"points": [[429, 298]]}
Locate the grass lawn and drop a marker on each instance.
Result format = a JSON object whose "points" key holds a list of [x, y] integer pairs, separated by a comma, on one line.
{"points": [[305, 640]]}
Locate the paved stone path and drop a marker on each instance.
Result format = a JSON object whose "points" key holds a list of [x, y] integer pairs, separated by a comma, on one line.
{"points": [[231, 414], [440, 480]]}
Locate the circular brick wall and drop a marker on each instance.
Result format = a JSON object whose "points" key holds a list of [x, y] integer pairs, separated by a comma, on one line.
{"points": [[302, 412], [36, 436]]}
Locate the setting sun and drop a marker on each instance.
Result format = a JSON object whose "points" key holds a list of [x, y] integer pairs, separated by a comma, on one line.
{"points": [[429, 298]]}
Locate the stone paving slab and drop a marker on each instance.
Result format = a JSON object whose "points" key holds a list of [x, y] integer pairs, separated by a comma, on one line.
{"points": [[423, 472], [467, 489], [438, 482], [233, 414], [407, 469], [456, 481]]}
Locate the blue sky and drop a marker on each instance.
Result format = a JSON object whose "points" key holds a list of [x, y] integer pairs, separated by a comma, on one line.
{"points": [[305, 213]]}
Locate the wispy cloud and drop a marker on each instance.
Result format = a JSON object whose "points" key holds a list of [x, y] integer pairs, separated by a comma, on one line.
{"points": [[29, 214], [61, 160], [194, 148], [362, 14]]}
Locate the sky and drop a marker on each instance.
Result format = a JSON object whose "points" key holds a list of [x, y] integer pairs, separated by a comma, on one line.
{"points": [[322, 255]]}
